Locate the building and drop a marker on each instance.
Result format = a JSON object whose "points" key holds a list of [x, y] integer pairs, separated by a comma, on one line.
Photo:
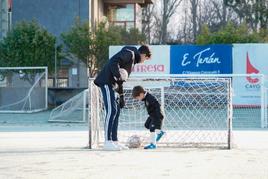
{"points": [[5, 17], [59, 15], [126, 13]]}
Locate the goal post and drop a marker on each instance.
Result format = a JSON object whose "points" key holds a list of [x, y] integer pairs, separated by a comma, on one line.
{"points": [[197, 110], [23, 89], [74, 110]]}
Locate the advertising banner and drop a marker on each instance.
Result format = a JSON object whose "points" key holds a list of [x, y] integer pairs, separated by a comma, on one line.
{"points": [[249, 59], [201, 59], [158, 64]]}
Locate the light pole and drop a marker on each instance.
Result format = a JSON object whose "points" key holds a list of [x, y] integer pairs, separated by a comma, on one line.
{"points": [[55, 63]]}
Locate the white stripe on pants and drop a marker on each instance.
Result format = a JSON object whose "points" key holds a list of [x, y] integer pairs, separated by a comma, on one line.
{"points": [[109, 112]]}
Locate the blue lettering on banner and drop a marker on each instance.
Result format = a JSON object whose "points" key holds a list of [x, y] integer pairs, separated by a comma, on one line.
{"points": [[197, 59]]}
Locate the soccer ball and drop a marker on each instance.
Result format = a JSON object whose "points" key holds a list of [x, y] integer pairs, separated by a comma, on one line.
{"points": [[123, 74], [134, 141]]}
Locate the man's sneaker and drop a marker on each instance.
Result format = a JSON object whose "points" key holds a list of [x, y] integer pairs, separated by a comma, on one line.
{"points": [[150, 146], [160, 135], [110, 146], [121, 146]]}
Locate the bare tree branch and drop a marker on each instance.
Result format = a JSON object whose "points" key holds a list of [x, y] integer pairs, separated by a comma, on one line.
{"points": [[147, 21], [168, 9]]}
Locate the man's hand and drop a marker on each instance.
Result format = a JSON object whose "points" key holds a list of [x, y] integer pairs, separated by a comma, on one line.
{"points": [[121, 101], [120, 90], [119, 80]]}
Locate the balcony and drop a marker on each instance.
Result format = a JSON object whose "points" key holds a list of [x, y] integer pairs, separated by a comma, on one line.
{"points": [[141, 2]]}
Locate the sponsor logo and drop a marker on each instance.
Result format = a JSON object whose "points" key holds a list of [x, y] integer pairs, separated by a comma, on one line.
{"points": [[200, 58], [251, 70], [253, 82], [148, 68]]}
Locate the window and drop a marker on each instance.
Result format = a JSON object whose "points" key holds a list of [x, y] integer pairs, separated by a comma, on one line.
{"points": [[124, 15], [62, 79]]}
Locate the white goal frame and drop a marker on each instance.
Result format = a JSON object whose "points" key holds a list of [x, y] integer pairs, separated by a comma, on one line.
{"points": [[45, 69], [94, 133]]}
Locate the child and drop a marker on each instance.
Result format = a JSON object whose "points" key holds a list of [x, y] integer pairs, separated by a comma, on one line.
{"points": [[154, 121]]}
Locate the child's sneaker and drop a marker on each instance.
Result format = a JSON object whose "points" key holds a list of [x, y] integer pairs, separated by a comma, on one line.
{"points": [[160, 135], [150, 146]]}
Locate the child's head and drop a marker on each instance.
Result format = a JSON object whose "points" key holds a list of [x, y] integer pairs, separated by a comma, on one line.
{"points": [[138, 93], [145, 53]]}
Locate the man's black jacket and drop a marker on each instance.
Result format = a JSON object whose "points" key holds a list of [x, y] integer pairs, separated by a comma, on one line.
{"points": [[125, 58]]}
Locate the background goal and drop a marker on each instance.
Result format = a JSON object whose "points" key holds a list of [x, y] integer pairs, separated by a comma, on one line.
{"points": [[73, 110], [198, 111], [23, 89]]}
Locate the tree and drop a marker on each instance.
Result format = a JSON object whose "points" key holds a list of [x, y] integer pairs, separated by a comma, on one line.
{"points": [[132, 36], [28, 44], [221, 12], [78, 43], [147, 22], [194, 6], [228, 34], [195, 13], [213, 13], [113, 35], [168, 9], [93, 48], [105, 37], [253, 12], [184, 34]]}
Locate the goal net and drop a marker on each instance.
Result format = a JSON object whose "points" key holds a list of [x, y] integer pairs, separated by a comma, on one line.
{"points": [[73, 110], [249, 101], [23, 89], [198, 111]]}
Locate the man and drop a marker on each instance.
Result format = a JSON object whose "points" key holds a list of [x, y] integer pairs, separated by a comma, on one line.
{"points": [[110, 81]]}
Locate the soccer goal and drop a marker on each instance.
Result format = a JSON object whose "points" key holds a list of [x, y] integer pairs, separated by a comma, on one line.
{"points": [[73, 110], [23, 89], [197, 110]]}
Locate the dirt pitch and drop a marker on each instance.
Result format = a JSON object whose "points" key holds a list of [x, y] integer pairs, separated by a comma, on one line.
{"points": [[56, 155]]}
